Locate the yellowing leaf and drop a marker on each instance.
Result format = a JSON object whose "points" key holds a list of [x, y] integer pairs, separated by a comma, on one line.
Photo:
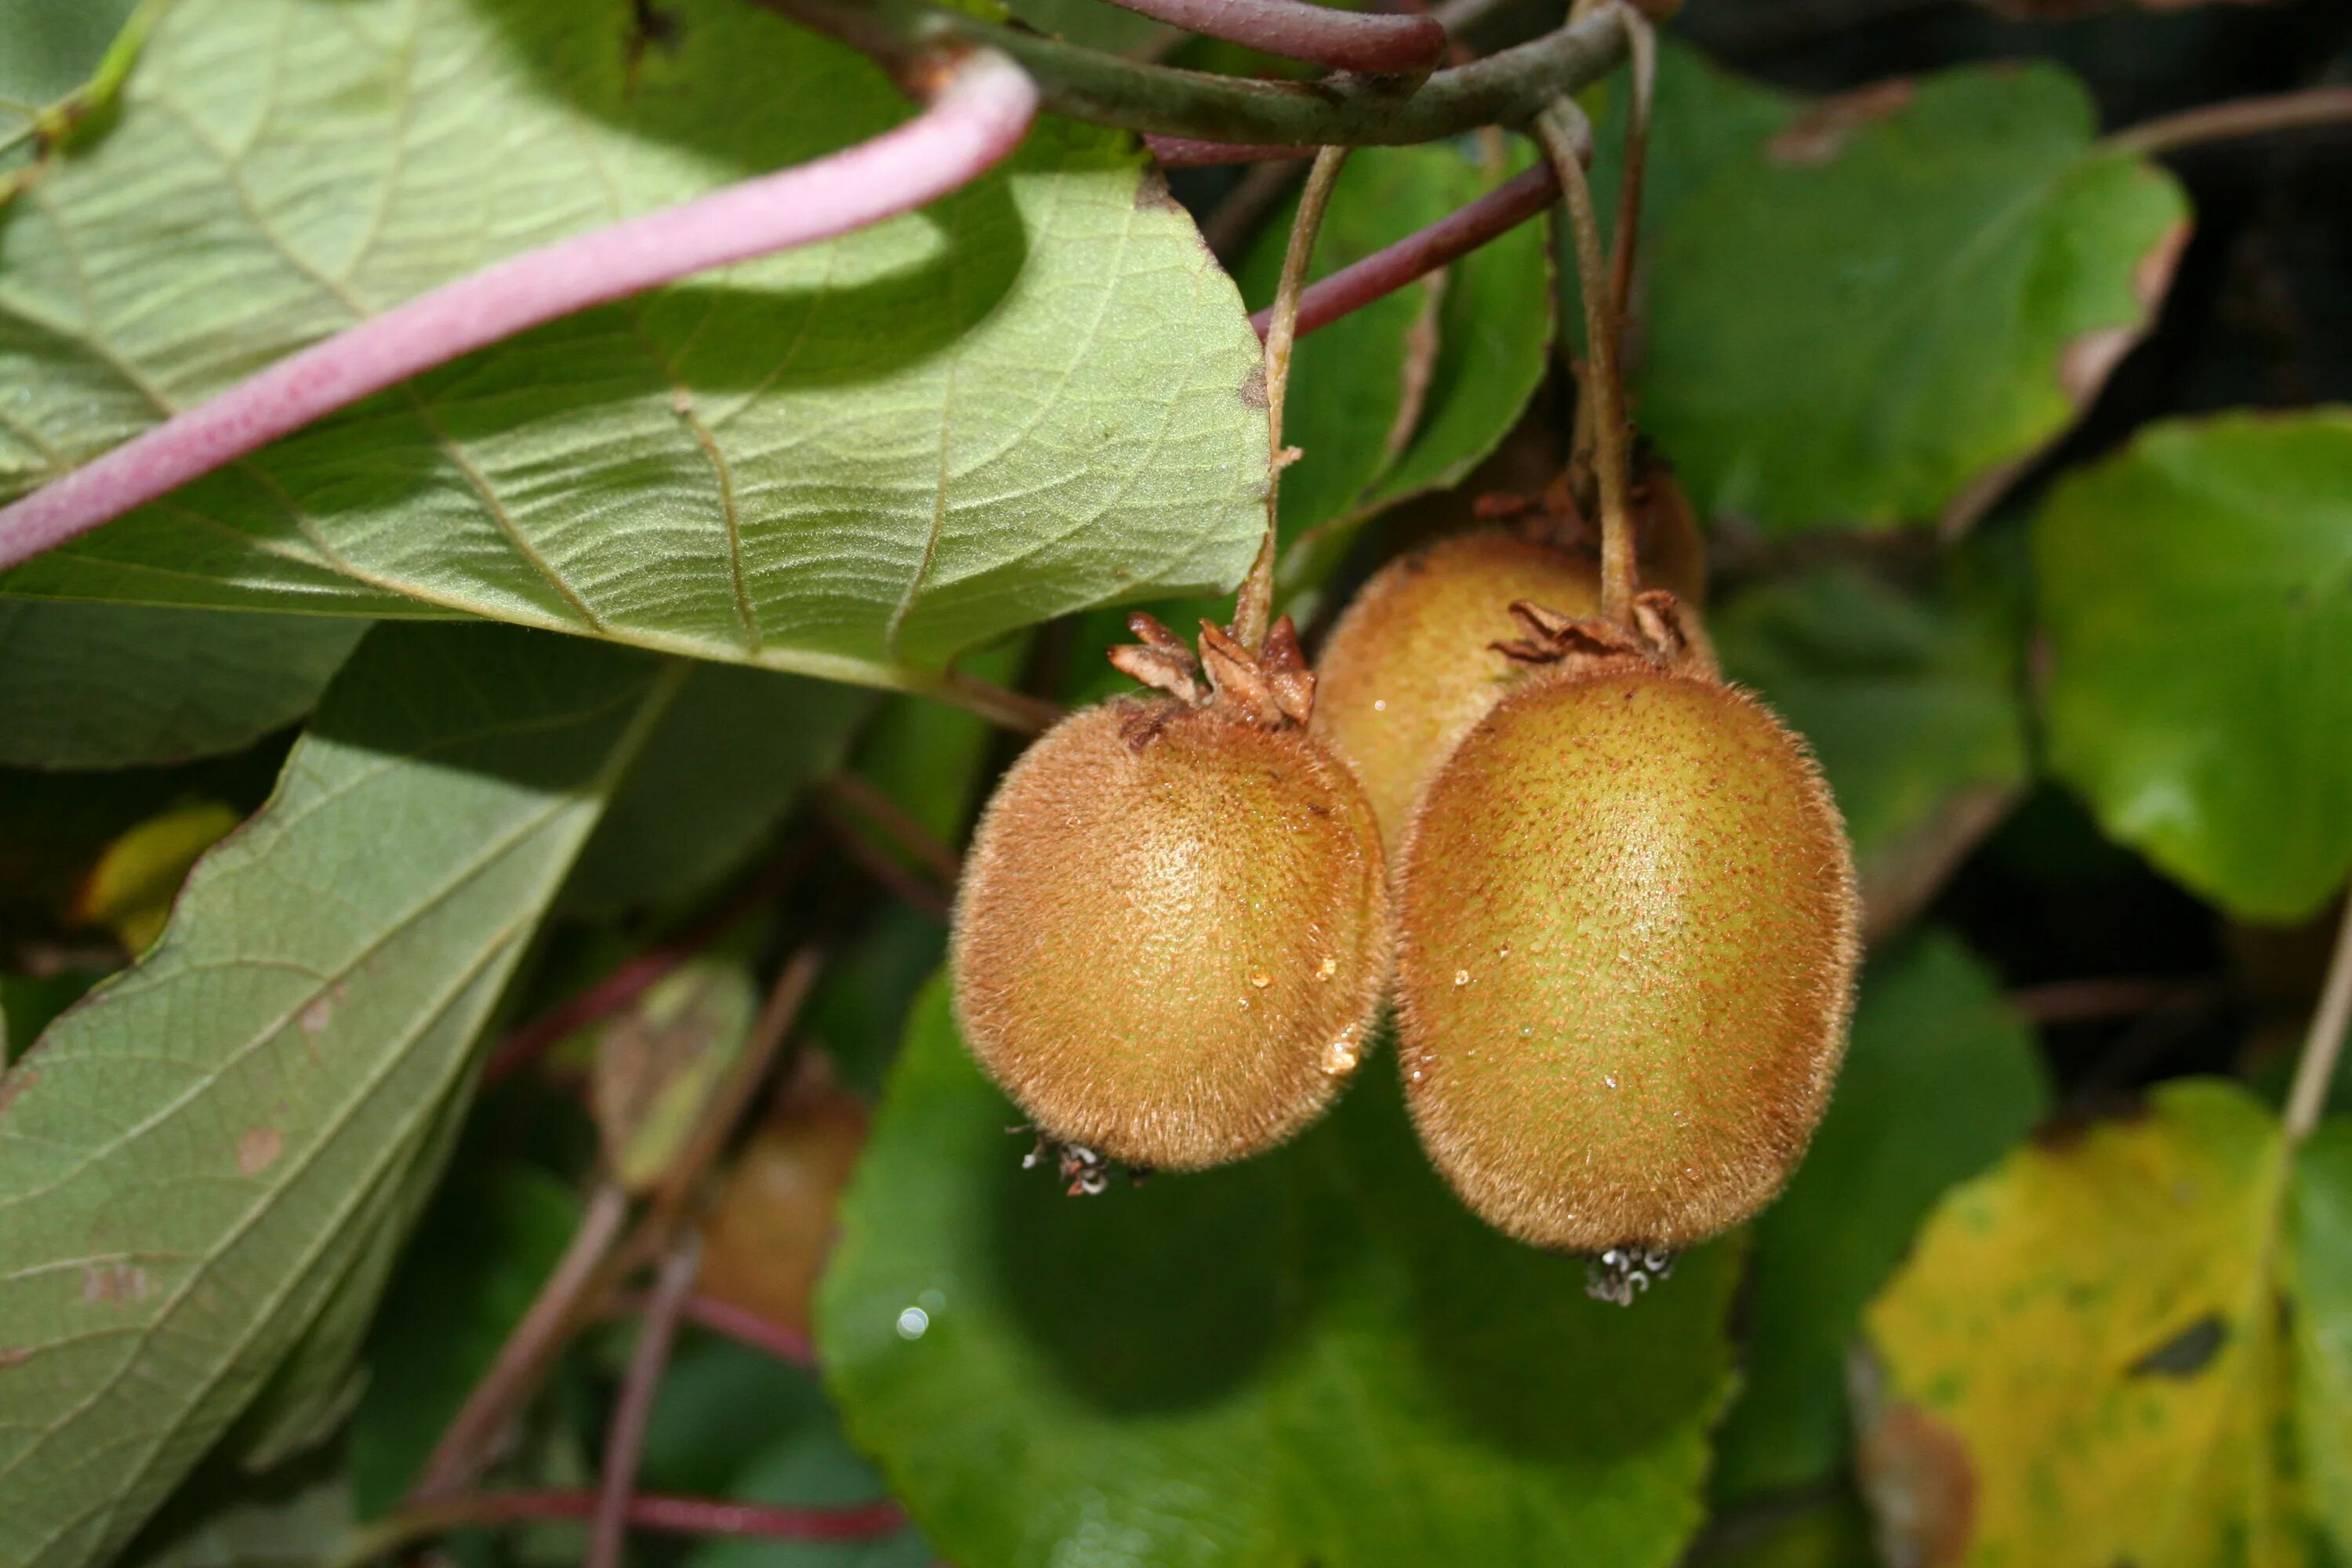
{"points": [[130, 889], [658, 1065], [2082, 1363]]}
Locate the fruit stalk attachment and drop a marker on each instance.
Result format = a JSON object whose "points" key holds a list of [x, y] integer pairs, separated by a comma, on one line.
{"points": [[1563, 131], [1254, 606]]}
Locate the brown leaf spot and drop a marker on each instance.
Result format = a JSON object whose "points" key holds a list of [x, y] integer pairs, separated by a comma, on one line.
{"points": [[15, 1083], [258, 1149], [1254, 389], [1820, 133], [113, 1282], [14, 1355], [1152, 195], [2153, 276], [2084, 364], [318, 1014], [2187, 1352], [1921, 1485]]}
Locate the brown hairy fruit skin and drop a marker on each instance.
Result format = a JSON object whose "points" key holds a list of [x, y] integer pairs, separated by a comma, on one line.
{"points": [[1172, 932], [1627, 938], [1409, 666]]}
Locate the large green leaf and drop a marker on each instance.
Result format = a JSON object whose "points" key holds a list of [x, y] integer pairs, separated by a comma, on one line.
{"points": [[1939, 1081], [1913, 703], [1315, 1356], [1897, 294], [190, 1160], [109, 686], [855, 459], [2198, 591]]}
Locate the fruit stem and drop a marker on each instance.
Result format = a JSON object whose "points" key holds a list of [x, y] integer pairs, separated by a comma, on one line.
{"points": [[1254, 606], [1564, 132], [2325, 1044]]}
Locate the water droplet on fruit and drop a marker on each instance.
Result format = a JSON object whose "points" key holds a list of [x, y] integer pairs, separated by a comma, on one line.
{"points": [[1328, 968], [1261, 980], [1461, 977], [1340, 1056]]}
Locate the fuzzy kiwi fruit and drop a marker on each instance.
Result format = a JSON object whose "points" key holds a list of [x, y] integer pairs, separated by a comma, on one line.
{"points": [[1411, 663], [1172, 928], [1627, 931]]}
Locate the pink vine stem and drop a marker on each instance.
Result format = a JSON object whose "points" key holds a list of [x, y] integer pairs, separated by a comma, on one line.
{"points": [[654, 1510], [1373, 42], [980, 109], [1191, 152], [1448, 240]]}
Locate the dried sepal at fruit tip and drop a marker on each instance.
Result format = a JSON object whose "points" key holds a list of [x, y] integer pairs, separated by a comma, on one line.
{"points": [[1172, 929], [1660, 633]]}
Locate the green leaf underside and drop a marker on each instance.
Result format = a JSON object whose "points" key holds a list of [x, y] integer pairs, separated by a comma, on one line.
{"points": [[1911, 703], [1939, 1081], [196, 1160], [2165, 1295], [1314, 1356], [1890, 296], [112, 686], [855, 459], [2197, 589]]}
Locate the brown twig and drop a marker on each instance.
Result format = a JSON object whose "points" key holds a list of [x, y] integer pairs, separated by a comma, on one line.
{"points": [[647, 1510], [1369, 41], [1416, 256], [2311, 109], [2083, 1001], [1254, 606], [522, 1362], [1562, 129], [1192, 152], [633, 1412]]}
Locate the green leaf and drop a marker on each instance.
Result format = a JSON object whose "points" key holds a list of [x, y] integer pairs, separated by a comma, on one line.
{"points": [[732, 755], [2197, 589], [191, 1161], [113, 686], [2084, 1360], [483, 1249], [854, 460], [1315, 1356], [734, 1424], [1939, 1081], [1912, 702], [1896, 295]]}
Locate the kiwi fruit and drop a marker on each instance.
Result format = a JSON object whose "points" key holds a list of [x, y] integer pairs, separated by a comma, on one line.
{"points": [[1408, 666], [1171, 931], [1411, 663], [1627, 931]]}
